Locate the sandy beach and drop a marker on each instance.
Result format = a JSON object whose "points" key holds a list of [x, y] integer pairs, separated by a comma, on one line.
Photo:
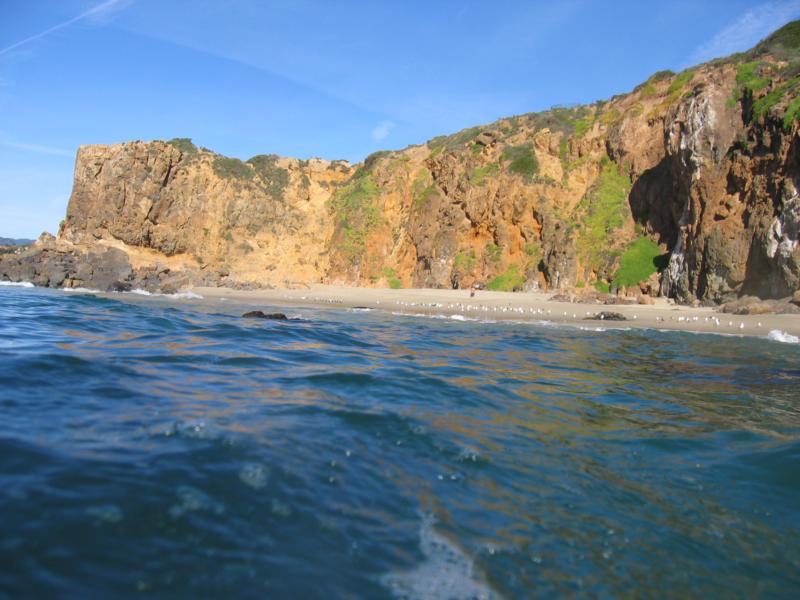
{"points": [[530, 306]]}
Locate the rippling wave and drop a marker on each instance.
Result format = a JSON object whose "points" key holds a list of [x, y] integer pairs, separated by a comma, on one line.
{"points": [[168, 447]]}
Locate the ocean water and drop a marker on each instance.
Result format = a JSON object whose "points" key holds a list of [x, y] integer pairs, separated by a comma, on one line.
{"points": [[164, 448]]}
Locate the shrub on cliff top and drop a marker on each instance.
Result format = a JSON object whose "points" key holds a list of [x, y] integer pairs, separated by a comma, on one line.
{"points": [[275, 178], [185, 145], [561, 118], [452, 142], [680, 81], [232, 168], [784, 43]]}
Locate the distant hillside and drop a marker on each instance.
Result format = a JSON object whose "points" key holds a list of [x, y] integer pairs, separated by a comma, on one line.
{"points": [[15, 241]]}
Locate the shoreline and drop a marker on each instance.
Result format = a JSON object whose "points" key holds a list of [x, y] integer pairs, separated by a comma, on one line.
{"points": [[513, 306]]}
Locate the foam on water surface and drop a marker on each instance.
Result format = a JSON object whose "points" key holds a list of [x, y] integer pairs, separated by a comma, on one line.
{"points": [[776, 335], [446, 572]]}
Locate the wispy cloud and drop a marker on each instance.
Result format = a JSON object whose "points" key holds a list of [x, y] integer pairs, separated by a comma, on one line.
{"points": [[382, 130], [98, 14], [747, 30], [37, 148]]}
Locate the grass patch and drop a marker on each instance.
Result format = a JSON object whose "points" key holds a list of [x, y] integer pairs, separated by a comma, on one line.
{"points": [[792, 113], [232, 168], [534, 249], [562, 119], [453, 142], [423, 189], [602, 286], [479, 174], [493, 252], [274, 177], [356, 213], [465, 261], [680, 81], [609, 117], [748, 76], [638, 262], [603, 210], [583, 125], [522, 160], [391, 278], [675, 90], [510, 281], [766, 103], [185, 145], [648, 90]]}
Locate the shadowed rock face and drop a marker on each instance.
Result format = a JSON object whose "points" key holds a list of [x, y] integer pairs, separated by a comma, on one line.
{"points": [[703, 163]]}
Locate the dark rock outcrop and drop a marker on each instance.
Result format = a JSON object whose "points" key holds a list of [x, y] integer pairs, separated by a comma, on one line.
{"points": [[606, 316], [257, 314]]}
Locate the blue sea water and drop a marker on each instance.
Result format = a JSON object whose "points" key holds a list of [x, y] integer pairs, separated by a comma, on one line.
{"points": [[161, 448]]}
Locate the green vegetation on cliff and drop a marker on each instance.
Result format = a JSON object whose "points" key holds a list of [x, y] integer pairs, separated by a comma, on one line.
{"points": [[603, 210], [423, 189], [232, 168], [781, 93], [522, 160], [275, 178], [479, 174], [465, 261], [185, 145], [391, 278], [357, 214], [784, 44], [637, 263], [510, 281], [452, 142]]}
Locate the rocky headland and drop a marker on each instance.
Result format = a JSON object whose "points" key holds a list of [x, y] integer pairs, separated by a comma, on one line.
{"points": [[686, 187]]}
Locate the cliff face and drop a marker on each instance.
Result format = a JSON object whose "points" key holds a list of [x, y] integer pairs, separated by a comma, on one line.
{"points": [[263, 221], [687, 186]]}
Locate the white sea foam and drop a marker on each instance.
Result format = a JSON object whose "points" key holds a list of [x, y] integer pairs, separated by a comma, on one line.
{"points": [[26, 284], [185, 296], [447, 572], [776, 335], [81, 290], [255, 475], [177, 295], [192, 499]]}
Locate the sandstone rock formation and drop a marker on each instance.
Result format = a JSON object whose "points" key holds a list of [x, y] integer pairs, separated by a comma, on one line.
{"points": [[687, 186]]}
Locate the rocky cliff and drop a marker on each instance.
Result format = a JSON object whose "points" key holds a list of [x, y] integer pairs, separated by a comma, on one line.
{"points": [[687, 186]]}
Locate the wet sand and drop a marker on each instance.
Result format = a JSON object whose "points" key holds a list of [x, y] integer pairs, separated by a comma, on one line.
{"points": [[529, 306]]}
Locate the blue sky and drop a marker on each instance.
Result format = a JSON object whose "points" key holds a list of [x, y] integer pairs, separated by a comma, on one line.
{"points": [[317, 78]]}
